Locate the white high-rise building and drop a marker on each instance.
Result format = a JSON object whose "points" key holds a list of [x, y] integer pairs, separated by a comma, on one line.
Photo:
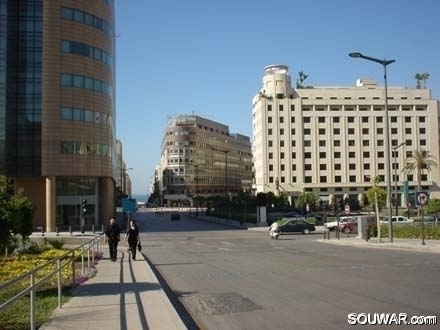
{"points": [[331, 140]]}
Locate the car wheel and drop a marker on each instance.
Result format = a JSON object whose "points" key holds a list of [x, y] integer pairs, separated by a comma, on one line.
{"points": [[347, 230], [306, 231]]}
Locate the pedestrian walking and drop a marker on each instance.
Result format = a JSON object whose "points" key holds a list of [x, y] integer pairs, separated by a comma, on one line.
{"points": [[132, 236], [113, 236]]}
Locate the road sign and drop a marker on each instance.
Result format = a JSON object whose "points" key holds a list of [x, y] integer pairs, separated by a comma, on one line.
{"points": [[422, 198], [129, 205], [347, 209]]}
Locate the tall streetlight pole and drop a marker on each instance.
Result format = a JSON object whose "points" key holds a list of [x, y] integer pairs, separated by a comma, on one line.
{"points": [[226, 176], [395, 174], [384, 63]]}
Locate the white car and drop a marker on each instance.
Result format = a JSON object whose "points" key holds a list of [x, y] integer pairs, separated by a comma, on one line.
{"points": [[396, 219]]}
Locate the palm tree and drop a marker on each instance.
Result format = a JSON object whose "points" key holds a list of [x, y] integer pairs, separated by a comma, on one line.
{"points": [[419, 161]]}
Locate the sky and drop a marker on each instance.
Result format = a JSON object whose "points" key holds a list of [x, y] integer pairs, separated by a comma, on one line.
{"points": [[207, 58]]}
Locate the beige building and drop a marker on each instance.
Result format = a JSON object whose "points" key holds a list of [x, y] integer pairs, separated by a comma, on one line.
{"points": [[331, 140], [58, 104], [200, 157]]}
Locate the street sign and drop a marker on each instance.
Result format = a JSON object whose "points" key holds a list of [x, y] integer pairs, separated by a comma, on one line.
{"points": [[129, 205], [347, 209], [422, 198]]}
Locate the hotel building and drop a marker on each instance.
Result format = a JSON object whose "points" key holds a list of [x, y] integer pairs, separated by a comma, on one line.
{"points": [[199, 157], [331, 140], [57, 116]]}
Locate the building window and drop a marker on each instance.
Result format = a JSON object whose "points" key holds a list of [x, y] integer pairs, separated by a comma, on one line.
{"points": [[351, 166], [280, 107], [351, 143], [307, 119], [270, 155], [365, 119], [308, 179], [281, 120], [322, 143], [292, 107], [321, 131], [365, 131], [351, 131], [366, 154], [293, 143], [350, 119], [422, 119], [292, 119], [293, 179], [269, 107], [366, 166], [379, 119], [307, 131], [336, 119], [322, 155], [269, 143], [336, 131], [307, 143], [322, 167], [281, 143], [308, 167], [269, 131], [321, 119], [282, 167], [293, 167], [323, 179], [281, 155], [338, 178], [351, 154], [366, 143], [307, 155], [352, 178], [281, 131], [407, 119], [423, 142], [337, 154], [338, 167], [293, 155], [292, 131], [270, 167], [269, 120]]}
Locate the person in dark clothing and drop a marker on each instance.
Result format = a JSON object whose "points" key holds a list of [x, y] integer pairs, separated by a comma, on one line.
{"points": [[113, 236], [132, 236]]}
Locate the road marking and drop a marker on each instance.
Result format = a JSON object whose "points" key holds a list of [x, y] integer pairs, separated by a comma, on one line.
{"points": [[224, 249], [227, 243]]}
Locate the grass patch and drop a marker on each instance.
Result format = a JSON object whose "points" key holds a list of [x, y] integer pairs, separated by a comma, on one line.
{"points": [[17, 317]]}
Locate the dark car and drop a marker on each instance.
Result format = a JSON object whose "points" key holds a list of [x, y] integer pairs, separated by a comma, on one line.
{"points": [[297, 226], [292, 214], [175, 216]]}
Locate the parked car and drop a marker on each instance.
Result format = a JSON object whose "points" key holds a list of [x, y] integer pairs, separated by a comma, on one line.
{"points": [[292, 214], [297, 226], [349, 226], [396, 219], [175, 216]]}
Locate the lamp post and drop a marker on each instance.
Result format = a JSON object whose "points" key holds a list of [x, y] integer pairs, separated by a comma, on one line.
{"points": [[226, 176], [384, 63], [395, 173]]}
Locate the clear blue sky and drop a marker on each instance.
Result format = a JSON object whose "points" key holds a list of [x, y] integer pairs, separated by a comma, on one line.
{"points": [[207, 58]]}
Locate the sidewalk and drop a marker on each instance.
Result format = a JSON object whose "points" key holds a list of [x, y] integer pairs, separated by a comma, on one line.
{"points": [[431, 246], [122, 295]]}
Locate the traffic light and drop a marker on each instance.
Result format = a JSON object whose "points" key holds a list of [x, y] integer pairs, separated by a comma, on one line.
{"points": [[83, 206]]}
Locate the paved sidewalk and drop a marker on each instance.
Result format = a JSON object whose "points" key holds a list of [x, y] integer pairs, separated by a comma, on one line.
{"points": [[432, 246], [123, 295]]}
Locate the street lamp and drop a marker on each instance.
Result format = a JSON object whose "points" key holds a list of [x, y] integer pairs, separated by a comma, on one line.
{"points": [[384, 63], [395, 174], [226, 176]]}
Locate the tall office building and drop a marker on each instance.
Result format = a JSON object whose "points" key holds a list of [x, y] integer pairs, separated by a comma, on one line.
{"points": [[331, 140], [201, 158], [57, 129]]}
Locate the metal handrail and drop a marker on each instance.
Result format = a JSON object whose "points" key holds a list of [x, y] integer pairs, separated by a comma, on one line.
{"points": [[90, 246]]}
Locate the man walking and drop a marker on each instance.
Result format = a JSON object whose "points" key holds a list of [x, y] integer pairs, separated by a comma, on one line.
{"points": [[113, 236]]}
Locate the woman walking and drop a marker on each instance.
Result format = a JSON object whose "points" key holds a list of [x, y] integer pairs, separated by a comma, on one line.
{"points": [[132, 236]]}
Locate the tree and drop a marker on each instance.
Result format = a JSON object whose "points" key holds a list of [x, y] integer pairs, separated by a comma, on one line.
{"points": [[301, 78], [16, 215], [421, 77], [433, 206], [307, 198], [420, 160]]}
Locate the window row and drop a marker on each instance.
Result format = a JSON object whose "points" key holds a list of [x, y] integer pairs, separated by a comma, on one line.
{"points": [[89, 116], [350, 143], [79, 48], [339, 154], [78, 81], [82, 17], [337, 179], [350, 119], [85, 148]]}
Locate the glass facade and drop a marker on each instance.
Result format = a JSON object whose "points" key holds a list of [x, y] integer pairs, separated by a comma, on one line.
{"points": [[20, 70]]}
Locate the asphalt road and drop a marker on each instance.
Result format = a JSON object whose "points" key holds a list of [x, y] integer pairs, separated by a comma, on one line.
{"points": [[228, 278]]}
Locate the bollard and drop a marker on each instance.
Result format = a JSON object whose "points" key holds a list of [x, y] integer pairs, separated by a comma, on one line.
{"points": [[93, 228], [328, 235], [325, 235], [70, 230], [57, 231], [42, 231]]}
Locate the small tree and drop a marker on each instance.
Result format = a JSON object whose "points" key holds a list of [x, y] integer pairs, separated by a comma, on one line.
{"points": [[16, 215], [307, 198], [433, 206]]}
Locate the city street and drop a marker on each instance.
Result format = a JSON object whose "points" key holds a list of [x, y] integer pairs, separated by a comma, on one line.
{"points": [[229, 278]]}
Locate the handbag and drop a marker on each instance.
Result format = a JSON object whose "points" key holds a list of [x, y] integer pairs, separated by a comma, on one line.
{"points": [[139, 246]]}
